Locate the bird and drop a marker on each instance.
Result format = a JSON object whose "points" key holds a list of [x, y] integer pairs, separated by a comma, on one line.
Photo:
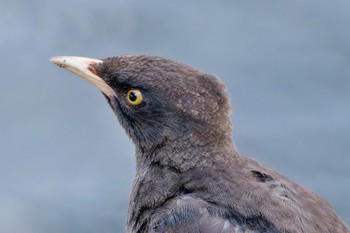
{"points": [[190, 177]]}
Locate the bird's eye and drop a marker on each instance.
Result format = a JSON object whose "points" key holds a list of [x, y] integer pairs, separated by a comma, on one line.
{"points": [[134, 97]]}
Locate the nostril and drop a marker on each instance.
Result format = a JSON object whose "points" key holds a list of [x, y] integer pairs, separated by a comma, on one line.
{"points": [[92, 70]]}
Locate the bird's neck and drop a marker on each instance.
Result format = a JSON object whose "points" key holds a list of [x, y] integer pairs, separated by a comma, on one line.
{"points": [[188, 152]]}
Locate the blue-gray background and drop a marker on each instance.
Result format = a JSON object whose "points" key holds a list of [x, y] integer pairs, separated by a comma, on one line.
{"points": [[66, 165]]}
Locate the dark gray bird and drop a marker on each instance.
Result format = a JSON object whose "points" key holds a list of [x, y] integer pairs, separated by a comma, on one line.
{"points": [[189, 175]]}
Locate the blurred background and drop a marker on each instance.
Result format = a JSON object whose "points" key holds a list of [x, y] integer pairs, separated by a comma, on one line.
{"points": [[65, 163]]}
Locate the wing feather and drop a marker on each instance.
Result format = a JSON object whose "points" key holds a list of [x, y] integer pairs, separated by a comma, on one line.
{"points": [[188, 214]]}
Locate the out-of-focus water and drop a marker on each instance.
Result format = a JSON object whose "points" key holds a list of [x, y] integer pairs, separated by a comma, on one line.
{"points": [[66, 165]]}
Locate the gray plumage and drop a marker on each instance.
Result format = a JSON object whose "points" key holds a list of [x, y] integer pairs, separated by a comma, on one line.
{"points": [[189, 175]]}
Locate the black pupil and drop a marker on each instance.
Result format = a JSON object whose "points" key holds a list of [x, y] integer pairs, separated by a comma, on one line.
{"points": [[132, 96]]}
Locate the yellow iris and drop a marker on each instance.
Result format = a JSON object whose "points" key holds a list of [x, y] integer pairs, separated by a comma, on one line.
{"points": [[134, 97]]}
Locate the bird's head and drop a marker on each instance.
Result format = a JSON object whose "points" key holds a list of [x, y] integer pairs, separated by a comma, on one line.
{"points": [[156, 99]]}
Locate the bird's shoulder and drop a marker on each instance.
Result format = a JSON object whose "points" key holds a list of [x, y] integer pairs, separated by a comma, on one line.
{"points": [[251, 191]]}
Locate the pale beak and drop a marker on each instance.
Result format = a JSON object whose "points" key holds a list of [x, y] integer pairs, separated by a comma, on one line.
{"points": [[83, 67]]}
